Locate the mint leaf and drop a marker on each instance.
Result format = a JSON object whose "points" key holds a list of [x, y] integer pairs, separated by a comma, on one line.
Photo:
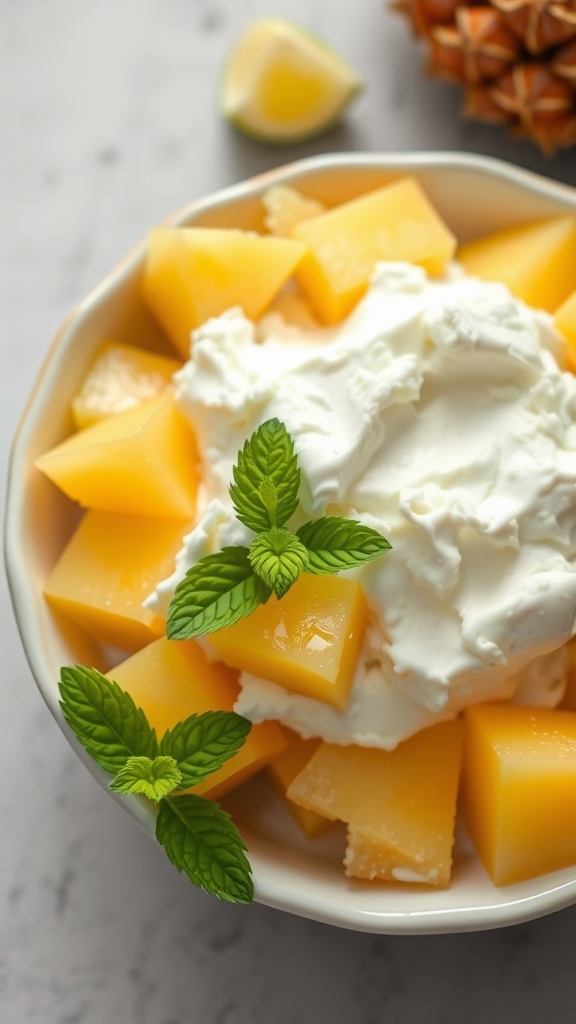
{"points": [[278, 557], [335, 543], [201, 840], [104, 718], [216, 592], [203, 743], [153, 777], [266, 478]]}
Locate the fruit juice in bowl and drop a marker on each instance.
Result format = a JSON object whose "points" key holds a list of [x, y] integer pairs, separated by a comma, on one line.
{"points": [[333, 724]]}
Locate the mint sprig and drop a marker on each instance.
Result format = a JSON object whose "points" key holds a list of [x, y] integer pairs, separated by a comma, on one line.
{"points": [[224, 587], [200, 839]]}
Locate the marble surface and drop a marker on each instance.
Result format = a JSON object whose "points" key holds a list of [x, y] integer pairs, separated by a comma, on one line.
{"points": [[108, 122]]}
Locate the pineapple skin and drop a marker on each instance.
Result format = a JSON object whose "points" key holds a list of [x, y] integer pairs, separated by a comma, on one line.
{"points": [[515, 59]]}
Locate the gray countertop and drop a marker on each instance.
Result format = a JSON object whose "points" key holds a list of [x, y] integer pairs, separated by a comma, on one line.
{"points": [[108, 123]]}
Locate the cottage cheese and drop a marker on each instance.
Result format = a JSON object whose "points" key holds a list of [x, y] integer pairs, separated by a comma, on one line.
{"points": [[439, 414]]}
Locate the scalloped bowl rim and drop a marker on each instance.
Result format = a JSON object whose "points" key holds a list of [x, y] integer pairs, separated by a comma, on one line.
{"points": [[294, 883]]}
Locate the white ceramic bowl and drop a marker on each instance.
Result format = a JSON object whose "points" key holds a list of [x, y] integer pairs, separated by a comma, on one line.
{"points": [[475, 196]]}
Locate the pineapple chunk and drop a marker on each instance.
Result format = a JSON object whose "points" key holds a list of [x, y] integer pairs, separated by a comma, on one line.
{"points": [[400, 805], [172, 679], [537, 261], [110, 565], [283, 769], [519, 789], [286, 207], [369, 856], [396, 222], [142, 461], [120, 377], [193, 274], [308, 642], [565, 322]]}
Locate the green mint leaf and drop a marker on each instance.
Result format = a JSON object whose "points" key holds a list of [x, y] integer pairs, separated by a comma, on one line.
{"points": [[266, 478], [268, 494], [218, 591], [201, 840], [278, 557], [104, 718], [203, 743], [153, 777], [335, 543]]}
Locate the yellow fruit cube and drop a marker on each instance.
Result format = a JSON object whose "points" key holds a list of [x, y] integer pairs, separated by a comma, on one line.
{"points": [[308, 642], [286, 207], [400, 805], [120, 377], [173, 679], [193, 274], [519, 789], [537, 261], [142, 461], [565, 322], [396, 222], [370, 856], [283, 769], [110, 565]]}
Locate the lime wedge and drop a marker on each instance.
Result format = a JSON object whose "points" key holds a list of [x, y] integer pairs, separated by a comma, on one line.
{"points": [[282, 85]]}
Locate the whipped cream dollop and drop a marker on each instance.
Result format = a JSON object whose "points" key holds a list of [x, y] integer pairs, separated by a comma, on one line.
{"points": [[438, 414]]}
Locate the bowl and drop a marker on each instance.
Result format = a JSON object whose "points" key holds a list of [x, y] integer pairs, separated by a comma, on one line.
{"points": [[475, 195]]}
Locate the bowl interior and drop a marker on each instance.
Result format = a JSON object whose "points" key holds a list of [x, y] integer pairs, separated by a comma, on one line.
{"points": [[475, 196]]}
